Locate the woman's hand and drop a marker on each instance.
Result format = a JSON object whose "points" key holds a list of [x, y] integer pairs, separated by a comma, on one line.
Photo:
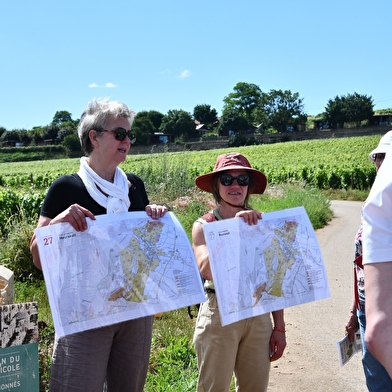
{"points": [[155, 211], [251, 217], [75, 215], [277, 344], [352, 325]]}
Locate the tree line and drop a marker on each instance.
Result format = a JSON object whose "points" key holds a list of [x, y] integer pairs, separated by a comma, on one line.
{"points": [[246, 108]]}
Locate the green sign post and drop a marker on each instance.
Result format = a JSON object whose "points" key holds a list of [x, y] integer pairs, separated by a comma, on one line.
{"points": [[19, 368]]}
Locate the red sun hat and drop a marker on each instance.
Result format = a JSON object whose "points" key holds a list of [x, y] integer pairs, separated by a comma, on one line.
{"points": [[233, 161]]}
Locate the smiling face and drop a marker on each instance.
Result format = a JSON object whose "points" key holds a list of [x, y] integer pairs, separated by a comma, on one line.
{"points": [[234, 193]]}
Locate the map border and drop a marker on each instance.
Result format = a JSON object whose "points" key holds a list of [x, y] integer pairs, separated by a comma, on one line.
{"points": [[49, 257], [220, 229]]}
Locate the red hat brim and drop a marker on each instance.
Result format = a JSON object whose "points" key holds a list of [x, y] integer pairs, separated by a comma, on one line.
{"points": [[259, 180]]}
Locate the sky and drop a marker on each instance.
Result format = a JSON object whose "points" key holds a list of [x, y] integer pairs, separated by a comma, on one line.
{"points": [[170, 55]]}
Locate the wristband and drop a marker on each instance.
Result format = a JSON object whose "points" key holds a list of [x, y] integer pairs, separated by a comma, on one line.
{"points": [[279, 330]]}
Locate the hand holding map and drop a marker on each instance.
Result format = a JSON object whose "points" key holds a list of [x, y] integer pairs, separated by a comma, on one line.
{"points": [[123, 266], [265, 267]]}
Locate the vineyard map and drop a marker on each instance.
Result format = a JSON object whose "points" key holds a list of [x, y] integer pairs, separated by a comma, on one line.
{"points": [[123, 266], [269, 266]]}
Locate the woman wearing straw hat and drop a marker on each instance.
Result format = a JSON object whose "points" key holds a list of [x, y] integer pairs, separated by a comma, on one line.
{"points": [[245, 347]]}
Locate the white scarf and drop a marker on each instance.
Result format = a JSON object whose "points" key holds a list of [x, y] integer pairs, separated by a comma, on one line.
{"points": [[117, 199]]}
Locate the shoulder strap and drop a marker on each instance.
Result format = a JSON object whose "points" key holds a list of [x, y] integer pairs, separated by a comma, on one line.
{"points": [[207, 218], [358, 263]]}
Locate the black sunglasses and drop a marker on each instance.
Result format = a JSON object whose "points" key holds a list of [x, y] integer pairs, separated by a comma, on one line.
{"points": [[378, 157], [120, 134], [227, 179]]}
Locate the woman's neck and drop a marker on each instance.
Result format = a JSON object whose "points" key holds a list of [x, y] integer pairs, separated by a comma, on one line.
{"points": [[227, 210], [102, 170]]}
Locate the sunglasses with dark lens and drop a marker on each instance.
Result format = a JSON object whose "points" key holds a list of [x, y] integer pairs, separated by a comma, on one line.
{"points": [[120, 134], [378, 157], [227, 179]]}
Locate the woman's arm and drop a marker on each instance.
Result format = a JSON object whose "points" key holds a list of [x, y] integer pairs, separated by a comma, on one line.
{"points": [[201, 251], [278, 337]]}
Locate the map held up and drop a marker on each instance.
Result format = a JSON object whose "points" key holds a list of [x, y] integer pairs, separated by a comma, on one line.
{"points": [[124, 266]]}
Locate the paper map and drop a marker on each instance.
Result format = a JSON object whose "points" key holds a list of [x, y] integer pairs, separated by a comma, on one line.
{"points": [[347, 349], [124, 266], [269, 266]]}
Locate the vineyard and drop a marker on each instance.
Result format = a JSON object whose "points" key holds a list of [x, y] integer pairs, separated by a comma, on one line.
{"points": [[328, 163]]}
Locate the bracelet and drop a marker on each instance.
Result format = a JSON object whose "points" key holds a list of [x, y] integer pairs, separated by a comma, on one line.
{"points": [[279, 330]]}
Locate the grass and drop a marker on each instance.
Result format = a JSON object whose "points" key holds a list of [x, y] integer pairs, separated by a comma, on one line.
{"points": [[346, 194]]}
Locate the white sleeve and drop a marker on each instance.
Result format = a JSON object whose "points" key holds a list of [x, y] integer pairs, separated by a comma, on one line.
{"points": [[377, 216]]}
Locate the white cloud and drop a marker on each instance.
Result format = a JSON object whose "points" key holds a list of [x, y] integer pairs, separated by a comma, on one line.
{"points": [[106, 85], [184, 74]]}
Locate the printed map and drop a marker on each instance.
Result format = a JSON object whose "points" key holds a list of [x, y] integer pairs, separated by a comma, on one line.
{"points": [[269, 266], [123, 266]]}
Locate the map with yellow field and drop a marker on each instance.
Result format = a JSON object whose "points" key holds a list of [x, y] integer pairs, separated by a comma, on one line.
{"points": [[124, 266], [265, 267]]}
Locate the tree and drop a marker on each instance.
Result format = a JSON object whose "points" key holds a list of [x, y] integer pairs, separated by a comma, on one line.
{"points": [[143, 128], [61, 116], [178, 123], [348, 108], [69, 125], [15, 136], [204, 114], [50, 132], [154, 116], [36, 135], [65, 131], [282, 108], [335, 114], [71, 142], [232, 120], [244, 100], [358, 108]]}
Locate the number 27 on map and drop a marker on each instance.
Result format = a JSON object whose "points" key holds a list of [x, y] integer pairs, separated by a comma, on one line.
{"points": [[47, 241]]}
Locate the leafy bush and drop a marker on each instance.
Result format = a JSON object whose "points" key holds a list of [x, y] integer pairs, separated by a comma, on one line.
{"points": [[71, 142], [16, 206], [31, 153], [15, 250], [239, 140], [210, 135]]}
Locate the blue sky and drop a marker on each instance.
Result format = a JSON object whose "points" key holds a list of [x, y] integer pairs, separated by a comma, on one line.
{"points": [[163, 55]]}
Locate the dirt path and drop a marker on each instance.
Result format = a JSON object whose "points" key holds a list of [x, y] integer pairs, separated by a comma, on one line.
{"points": [[310, 362]]}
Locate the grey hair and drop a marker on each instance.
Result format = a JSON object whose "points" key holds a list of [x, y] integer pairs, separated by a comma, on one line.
{"points": [[95, 116]]}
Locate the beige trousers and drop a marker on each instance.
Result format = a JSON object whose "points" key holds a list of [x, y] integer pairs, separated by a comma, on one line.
{"points": [[241, 347]]}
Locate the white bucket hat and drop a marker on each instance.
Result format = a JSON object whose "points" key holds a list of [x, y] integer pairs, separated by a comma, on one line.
{"points": [[383, 146]]}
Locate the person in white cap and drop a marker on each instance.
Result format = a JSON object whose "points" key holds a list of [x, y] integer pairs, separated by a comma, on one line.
{"points": [[377, 260], [245, 347], [377, 378]]}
